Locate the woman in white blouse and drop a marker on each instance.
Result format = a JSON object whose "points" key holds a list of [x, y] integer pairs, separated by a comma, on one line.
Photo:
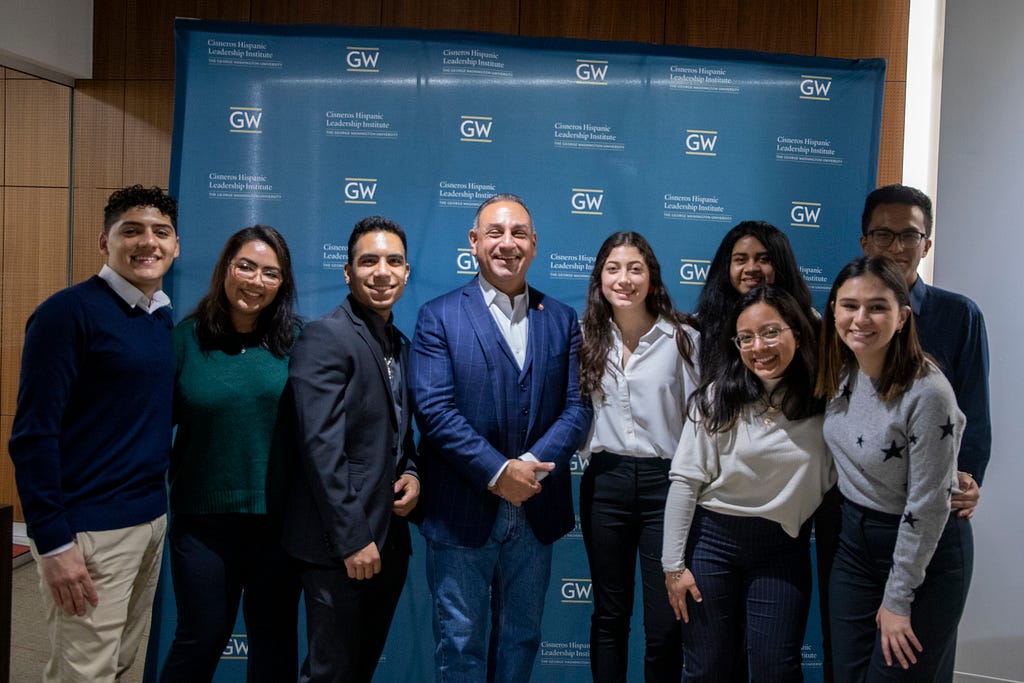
{"points": [[636, 365], [749, 472]]}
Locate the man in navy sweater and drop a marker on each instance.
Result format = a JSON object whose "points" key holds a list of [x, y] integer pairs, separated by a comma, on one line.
{"points": [[91, 441]]}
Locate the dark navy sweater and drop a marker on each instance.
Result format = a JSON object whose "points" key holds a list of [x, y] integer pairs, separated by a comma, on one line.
{"points": [[92, 431]]}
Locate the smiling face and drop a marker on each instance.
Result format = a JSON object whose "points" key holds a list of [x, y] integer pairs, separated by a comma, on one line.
{"points": [[251, 283], [504, 243], [898, 219], [625, 279], [768, 359], [867, 317], [750, 265], [377, 271], [140, 247]]}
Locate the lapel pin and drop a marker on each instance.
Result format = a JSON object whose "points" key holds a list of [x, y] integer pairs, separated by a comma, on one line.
{"points": [[540, 307]]}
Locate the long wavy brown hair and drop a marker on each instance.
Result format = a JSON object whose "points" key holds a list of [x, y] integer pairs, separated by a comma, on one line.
{"points": [[597, 317]]}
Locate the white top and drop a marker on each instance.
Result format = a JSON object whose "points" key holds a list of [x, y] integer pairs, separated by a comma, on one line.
{"points": [[766, 466], [510, 315], [644, 405]]}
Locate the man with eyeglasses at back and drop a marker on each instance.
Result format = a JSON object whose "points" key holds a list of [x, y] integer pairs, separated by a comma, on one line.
{"points": [[897, 222]]}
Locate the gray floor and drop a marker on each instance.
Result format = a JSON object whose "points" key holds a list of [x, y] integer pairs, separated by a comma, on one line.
{"points": [[29, 645]]}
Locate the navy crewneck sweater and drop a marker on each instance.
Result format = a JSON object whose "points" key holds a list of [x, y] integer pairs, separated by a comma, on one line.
{"points": [[92, 431]]}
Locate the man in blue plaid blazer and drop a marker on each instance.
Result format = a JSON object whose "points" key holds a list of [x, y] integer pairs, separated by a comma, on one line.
{"points": [[494, 375]]}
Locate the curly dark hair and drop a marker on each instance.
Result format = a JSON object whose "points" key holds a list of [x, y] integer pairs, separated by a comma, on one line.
{"points": [[718, 297], [597, 317], [136, 195], [724, 392], [277, 323]]}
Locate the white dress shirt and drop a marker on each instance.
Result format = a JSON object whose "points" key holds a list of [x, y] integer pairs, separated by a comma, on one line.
{"points": [[644, 405]]}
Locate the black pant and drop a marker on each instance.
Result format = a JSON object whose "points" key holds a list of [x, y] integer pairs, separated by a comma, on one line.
{"points": [[857, 586], [827, 521], [217, 560], [347, 620], [622, 508]]}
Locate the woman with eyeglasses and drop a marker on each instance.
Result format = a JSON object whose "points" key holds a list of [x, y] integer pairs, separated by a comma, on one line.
{"points": [[636, 365], [900, 578], [750, 470], [226, 465]]}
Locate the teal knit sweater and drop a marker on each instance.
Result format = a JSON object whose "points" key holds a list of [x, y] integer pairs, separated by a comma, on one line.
{"points": [[231, 443]]}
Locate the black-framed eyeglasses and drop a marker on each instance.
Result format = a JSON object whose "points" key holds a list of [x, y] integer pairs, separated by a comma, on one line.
{"points": [[247, 270], [883, 238], [769, 337]]}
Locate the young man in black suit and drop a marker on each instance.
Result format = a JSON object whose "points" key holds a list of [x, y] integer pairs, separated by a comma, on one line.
{"points": [[356, 483]]}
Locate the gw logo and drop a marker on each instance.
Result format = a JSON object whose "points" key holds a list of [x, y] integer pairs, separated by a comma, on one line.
{"points": [[362, 59], [245, 120], [236, 648], [587, 202], [576, 591], [360, 190], [815, 87], [476, 128], [465, 262], [693, 271], [577, 464], [805, 214], [591, 71], [701, 142]]}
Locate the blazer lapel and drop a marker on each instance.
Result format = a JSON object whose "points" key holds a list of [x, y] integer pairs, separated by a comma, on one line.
{"points": [[483, 323], [536, 352], [363, 331]]}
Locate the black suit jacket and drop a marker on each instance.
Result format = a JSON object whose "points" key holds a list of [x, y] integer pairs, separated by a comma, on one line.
{"points": [[342, 488]]}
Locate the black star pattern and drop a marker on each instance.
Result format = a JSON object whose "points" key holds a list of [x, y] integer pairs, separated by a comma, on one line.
{"points": [[892, 451], [860, 440], [846, 391], [947, 429], [949, 491], [910, 519], [912, 439]]}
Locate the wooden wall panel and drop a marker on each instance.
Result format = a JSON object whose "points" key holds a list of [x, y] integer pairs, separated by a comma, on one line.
{"points": [[150, 37], [87, 225], [351, 13], [99, 133], [3, 109], [635, 20], [223, 10], [149, 119], [38, 147], [855, 29], [495, 16], [8, 490], [35, 256], [109, 27], [890, 158], [787, 26]]}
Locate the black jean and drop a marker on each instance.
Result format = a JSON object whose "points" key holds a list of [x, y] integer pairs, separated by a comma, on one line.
{"points": [[857, 586], [218, 560], [622, 508]]}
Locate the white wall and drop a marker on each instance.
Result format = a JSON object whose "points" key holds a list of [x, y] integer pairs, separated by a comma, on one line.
{"points": [[48, 38], [979, 242]]}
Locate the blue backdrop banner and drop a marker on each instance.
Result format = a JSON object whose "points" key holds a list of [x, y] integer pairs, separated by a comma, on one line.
{"points": [[310, 128]]}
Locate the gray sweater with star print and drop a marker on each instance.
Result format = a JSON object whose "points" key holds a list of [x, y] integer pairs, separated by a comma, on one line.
{"points": [[899, 457]]}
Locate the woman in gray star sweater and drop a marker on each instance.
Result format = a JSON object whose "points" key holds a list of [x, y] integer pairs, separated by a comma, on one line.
{"points": [[901, 574]]}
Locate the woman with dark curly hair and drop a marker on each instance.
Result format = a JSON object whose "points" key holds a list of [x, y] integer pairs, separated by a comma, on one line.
{"points": [[226, 464], [636, 366]]}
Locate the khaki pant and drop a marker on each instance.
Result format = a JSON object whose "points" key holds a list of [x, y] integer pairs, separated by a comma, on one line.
{"points": [[101, 646]]}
